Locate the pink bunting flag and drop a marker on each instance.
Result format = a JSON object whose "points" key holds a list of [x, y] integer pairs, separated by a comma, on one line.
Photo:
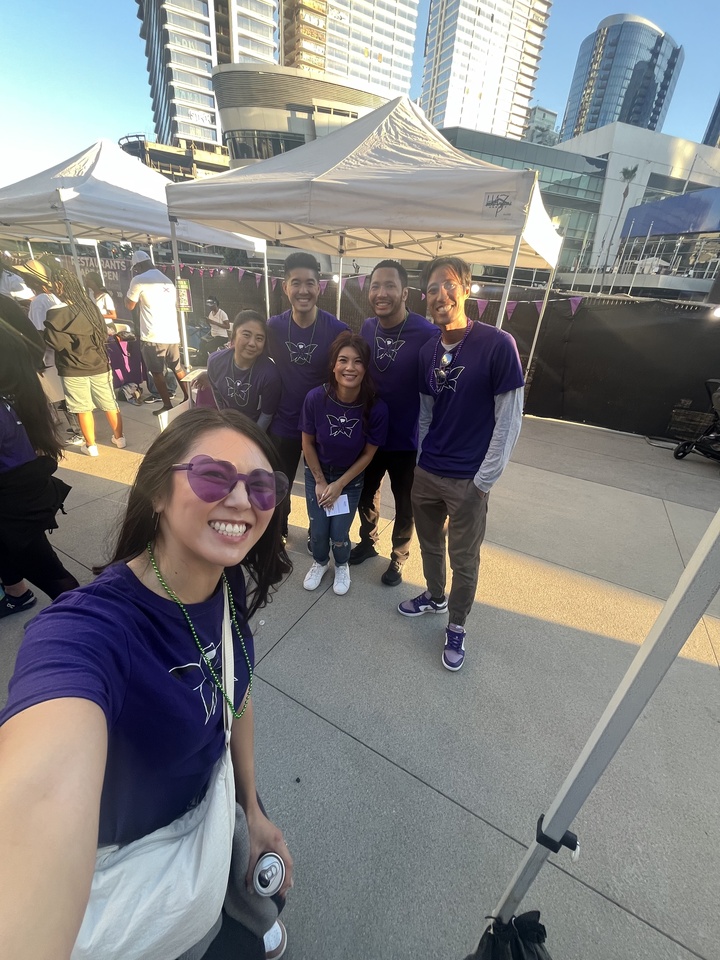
{"points": [[211, 272], [192, 270], [258, 278], [201, 272], [182, 266], [538, 304], [274, 282], [481, 307], [361, 281], [323, 286], [511, 308], [422, 296], [241, 274], [574, 304]]}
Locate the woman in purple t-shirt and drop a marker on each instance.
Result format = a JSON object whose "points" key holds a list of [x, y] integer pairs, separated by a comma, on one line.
{"points": [[343, 423], [30, 495], [115, 723]]}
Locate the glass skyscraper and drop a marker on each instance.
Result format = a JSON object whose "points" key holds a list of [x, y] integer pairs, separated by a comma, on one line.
{"points": [[481, 61], [712, 134], [368, 41], [625, 71]]}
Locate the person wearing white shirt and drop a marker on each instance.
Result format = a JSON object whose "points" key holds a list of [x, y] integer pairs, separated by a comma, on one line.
{"points": [[219, 330], [155, 296], [11, 285], [101, 295]]}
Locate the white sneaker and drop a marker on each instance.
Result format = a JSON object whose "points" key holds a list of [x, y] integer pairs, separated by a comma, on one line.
{"points": [[120, 442], [275, 941], [90, 451], [314, 575], [342, 579]]}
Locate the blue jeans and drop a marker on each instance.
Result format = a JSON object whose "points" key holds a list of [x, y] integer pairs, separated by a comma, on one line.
{"points": [[325, 530]]}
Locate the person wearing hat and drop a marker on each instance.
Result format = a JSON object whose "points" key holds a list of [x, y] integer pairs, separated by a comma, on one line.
{"points": [[12, 285], [219, 329], [155, 296]]}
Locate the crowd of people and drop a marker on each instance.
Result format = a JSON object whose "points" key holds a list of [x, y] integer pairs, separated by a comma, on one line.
{"points": [[125, 702]]}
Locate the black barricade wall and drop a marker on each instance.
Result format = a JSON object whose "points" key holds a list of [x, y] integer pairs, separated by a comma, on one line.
{"points": [[623, 365]]}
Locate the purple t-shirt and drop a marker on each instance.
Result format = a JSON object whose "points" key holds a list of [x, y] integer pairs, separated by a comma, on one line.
{"points": [[301, 356], [338, 428], [116, 643], [252, 391], [485, 365], [15, 446], [393, 366]]}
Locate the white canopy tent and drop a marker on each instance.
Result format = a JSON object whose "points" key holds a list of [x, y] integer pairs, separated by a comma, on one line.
{"points": [[103, 193], [388, 184]]}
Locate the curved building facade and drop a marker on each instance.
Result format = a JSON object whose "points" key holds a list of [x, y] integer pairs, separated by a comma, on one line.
{"points": [[268, 110], [626, 71]]}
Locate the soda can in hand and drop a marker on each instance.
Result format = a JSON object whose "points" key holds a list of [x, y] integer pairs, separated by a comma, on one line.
{"points": [[269, 874]]}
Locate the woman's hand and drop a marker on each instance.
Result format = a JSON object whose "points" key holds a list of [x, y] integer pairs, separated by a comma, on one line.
{"points": [[266, 837], [331, 493], [320, 489], [201, 381]]}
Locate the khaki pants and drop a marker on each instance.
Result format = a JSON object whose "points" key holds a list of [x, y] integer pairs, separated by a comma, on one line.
{"points": [[436, 500]]}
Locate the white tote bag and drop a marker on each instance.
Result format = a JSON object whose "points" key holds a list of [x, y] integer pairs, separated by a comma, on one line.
{"points": [[158, 896]]}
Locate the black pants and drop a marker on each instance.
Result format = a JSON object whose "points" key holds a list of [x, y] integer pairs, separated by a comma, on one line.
{"points": [[289, 451], [37, 562], [400, 467]]}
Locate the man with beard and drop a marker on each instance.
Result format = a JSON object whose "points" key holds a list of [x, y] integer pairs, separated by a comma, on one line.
{"points": [[471, 397], [395, 336]]}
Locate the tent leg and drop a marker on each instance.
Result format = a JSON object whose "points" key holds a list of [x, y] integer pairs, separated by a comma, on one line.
{"points": [[548, 288], [73, 250], [181, 315], [508, 282], [267, 284], [152, 253], [339, 288], [99, 262], [30, 249], [694, 591]]}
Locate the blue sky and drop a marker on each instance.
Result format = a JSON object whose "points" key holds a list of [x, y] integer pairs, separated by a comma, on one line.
{"points": [[76, 71]]}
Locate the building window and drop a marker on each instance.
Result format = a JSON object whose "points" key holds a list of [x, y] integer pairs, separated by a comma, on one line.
{"points": [[260, 144]]}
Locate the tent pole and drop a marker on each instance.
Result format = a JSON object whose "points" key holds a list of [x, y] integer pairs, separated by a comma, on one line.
{"points": [[642, 253], [508, 282], [267, 284], [181, 315], [548, 288], [339, 288], [30, 249], [152, 254], [687, 603], [99, 262], [73, 250]]}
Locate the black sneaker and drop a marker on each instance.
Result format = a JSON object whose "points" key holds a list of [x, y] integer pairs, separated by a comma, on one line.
{"points": [[393, 575], [10, 605], [361, 553], [151, 399]]}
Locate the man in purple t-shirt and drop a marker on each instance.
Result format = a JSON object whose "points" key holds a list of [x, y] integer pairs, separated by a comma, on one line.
{"points": [[471, 394], [395, 336], [299, 343]]}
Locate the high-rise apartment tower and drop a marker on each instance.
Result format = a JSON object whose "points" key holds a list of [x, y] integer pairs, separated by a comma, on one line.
{"points": [[481, 61], [625, 71], [712, 134], [369, 41]]}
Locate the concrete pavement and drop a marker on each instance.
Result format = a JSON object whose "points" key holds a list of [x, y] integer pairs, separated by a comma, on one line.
{"points": [[408, 794]]}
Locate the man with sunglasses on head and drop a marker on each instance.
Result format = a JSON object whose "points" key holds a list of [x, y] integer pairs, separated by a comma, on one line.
{"points": [[299, 343], [471, 399], [395, 336]]}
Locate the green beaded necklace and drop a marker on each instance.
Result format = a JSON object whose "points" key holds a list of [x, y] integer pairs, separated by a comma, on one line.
{"points": [[173, 596]]}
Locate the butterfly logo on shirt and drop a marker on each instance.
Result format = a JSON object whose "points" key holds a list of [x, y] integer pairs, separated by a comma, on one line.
{"points": [[300, 352], [237, 390], [341, 425], [199, 675], [447, 379], [387, 348]]}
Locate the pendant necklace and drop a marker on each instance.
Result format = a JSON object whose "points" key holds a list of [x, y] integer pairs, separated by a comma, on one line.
{"points": [[449, 359], [389, 346], [233, 616]]}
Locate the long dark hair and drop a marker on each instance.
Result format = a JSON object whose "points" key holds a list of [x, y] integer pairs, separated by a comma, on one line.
{"points": [[249, 316], [20, 386], [267, 562], [368, 394]]}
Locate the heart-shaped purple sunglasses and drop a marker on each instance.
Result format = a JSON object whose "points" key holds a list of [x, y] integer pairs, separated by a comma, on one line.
{"points": [[212, 480]]}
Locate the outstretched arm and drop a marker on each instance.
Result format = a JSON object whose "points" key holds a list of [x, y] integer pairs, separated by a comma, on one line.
{"points": [[52, 765]]}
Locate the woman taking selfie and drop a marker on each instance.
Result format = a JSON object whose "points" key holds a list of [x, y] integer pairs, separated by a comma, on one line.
{"points": [[123, 700], [343, 423], [244, 377]]}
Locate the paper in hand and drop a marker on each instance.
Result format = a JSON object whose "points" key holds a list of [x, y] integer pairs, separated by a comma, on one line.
{"points": [[340, 506]]}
